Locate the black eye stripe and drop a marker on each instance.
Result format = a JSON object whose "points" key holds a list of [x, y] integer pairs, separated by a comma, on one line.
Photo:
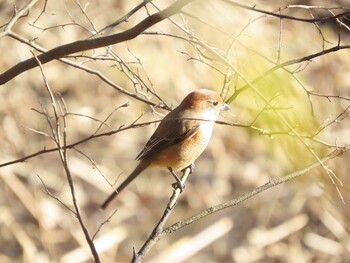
{"points": [[213, 102]]}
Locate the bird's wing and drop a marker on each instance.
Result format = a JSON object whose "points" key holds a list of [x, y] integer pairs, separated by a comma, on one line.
{"points": [[161, 140]]}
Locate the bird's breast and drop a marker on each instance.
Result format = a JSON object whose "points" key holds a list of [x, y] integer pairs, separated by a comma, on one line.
{"points": [[184, 153]]}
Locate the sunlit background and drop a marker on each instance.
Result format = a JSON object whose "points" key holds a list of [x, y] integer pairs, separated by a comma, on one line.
{"points": [[303, 220]]}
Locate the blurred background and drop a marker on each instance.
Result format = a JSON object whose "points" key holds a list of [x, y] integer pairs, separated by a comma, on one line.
{"points": [[302, 109]]}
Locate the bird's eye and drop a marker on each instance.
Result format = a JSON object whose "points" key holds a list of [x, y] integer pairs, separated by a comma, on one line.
{"points": [[215, 103]]}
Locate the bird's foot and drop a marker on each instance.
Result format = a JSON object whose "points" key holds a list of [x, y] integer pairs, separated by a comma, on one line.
{"points": [[179, 184]]}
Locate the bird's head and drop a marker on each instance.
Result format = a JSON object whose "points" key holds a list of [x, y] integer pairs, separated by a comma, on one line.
{"points": [[206, 104]]}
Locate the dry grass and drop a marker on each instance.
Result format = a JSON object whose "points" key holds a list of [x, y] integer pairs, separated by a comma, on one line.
{"points": [[303, 220]]}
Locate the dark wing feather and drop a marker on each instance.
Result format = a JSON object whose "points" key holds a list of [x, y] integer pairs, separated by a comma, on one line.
{"points": [[158, 143]]}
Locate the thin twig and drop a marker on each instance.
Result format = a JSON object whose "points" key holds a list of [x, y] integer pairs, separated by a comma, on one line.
{"points": [[84, 68], [245, 196], [62, 150], [17, 15], [123, 18], [272, 13], [88, 44], [47, 191]]}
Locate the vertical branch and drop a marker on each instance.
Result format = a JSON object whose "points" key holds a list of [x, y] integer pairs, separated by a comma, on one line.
{"points": [[279, 41], [59, 110]]}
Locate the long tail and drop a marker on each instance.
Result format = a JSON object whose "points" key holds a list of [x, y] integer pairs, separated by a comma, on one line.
{"points": [[127, 181]]}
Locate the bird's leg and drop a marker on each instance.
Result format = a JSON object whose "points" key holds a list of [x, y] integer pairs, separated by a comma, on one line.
{"points": [[179, 183]]}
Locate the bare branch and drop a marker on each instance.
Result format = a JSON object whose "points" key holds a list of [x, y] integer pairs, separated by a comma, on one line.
{"points": [[124, 18], [17, 15], [83, 45], [278, 15], [285, 64], [154, 237], [47, 191], [243, 197], [62, 150], [72, 145]]}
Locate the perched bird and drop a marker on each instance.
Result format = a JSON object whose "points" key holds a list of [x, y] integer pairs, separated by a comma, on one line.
{"points": [[180, 138]]}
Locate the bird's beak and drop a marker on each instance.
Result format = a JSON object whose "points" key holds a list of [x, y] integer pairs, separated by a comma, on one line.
{"points": [[225, 107]]}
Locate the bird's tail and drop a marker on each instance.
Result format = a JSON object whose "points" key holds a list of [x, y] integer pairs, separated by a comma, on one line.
{"points": [[127, 181]]}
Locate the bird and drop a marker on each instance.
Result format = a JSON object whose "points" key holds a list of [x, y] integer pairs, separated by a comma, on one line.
{"points": [[180, 138]]}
